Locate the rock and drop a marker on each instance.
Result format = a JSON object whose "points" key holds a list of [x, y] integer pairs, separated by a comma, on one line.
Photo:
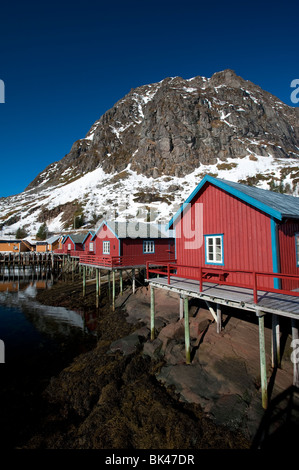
{"points": [[152, 348], [127, 345]]}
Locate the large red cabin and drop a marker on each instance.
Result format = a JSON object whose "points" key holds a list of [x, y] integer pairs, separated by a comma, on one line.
{"points": [[225, 227]]}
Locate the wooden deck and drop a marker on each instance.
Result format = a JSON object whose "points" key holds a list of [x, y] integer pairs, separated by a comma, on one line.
{"points": [[237, 297]]}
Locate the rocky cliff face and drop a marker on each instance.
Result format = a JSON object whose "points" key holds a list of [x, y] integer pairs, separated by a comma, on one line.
{"points": [[154, 146], [173, 127]]}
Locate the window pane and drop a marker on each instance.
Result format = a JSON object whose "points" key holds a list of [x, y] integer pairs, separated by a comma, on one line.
{"points": [[214, 249]]}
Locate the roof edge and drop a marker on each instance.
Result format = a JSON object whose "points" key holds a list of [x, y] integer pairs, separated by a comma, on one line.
{"points": [[233, 191]]}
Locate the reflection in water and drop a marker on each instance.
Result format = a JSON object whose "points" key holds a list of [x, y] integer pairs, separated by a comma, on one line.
{"points": [[40, 341]]}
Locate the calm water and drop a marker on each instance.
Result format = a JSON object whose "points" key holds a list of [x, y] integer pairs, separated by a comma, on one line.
{"points": [[39, 342]]}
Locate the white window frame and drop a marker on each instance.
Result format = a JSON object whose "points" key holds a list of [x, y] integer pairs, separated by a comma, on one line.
{"points": [[211, 241], [69, 246], [106, 247], [148, 246], [90, 246]]}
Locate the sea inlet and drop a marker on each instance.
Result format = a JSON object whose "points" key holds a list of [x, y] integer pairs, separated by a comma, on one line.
{"points": [[37, 341]]}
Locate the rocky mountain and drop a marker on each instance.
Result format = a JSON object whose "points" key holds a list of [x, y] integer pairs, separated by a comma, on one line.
{"points": [[153, 146]]}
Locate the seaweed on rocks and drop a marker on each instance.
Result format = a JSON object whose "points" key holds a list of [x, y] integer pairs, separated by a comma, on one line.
{"points": [[106, 399]]}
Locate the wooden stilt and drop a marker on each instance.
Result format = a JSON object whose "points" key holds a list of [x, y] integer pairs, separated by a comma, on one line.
{"points": [[121, 281], [219, 319], [84, 281], [113, 290], [276, 360], [99, 282], [152, 313], [133, 280], [295, 337], [263, 362], [181, 308], [97, 288], [109, 285], [187, 330]]}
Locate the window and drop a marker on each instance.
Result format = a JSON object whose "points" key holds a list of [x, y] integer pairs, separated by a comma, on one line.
{"points": [[91, 246], [297, 248], [214, 249], [148, 246], [69, 246], [106, 248]]}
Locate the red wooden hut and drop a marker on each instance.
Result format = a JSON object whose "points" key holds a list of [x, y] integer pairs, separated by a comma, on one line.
{"points": [[88, 243], [130, 243], [225, 226], [73, 244]]}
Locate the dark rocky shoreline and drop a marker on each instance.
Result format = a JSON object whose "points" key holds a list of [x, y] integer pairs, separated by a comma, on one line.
{"points": [[109, 398]]}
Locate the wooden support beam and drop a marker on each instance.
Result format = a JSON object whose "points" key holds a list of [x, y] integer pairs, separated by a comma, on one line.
{"points": [[263, 361], [97, 287], [275, 349], [113, 290], [211, 310], [109, 284], [181, 307], [84, 281], [121, 281], [152, 313], [133, 280], [219, 319], [295, 338], [187, 330]]}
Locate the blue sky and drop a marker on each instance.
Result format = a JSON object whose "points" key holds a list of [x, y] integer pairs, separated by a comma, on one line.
{"points": [[65, 63]]}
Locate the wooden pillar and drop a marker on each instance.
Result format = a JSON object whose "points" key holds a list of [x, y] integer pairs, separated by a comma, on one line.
{"points": [[219, 319], [97, 288], [295, 341], [133, 280], [84, 281], [181, 308], [113, 290], [263, 361], [187, 330], [276, 361], [152, 313], [121, 281], [109, 285]]}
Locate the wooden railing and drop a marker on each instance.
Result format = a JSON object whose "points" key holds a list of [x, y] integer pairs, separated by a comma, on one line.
{"points": [[219, 276], [119, 261], [74, 253]]}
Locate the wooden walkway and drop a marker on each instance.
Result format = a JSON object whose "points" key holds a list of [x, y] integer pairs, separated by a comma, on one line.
{"points": [[237, 297]]}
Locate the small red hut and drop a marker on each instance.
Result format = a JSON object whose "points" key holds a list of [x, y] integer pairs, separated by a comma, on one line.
{"points": [[73, 243], [131, 243], [88, 243]]}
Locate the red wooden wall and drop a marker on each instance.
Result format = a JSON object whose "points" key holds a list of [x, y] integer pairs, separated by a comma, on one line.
{"points": [[246, 235], [86, 244], [164, 249], [66, 243], [287, 249], [105, 234]]}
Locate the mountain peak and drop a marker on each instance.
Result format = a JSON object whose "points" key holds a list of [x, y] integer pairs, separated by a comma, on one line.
{"points": [[165, 132]]}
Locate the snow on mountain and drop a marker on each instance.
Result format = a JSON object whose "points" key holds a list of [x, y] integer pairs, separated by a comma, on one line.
{"points": [[117, 195], [145, 155]]}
